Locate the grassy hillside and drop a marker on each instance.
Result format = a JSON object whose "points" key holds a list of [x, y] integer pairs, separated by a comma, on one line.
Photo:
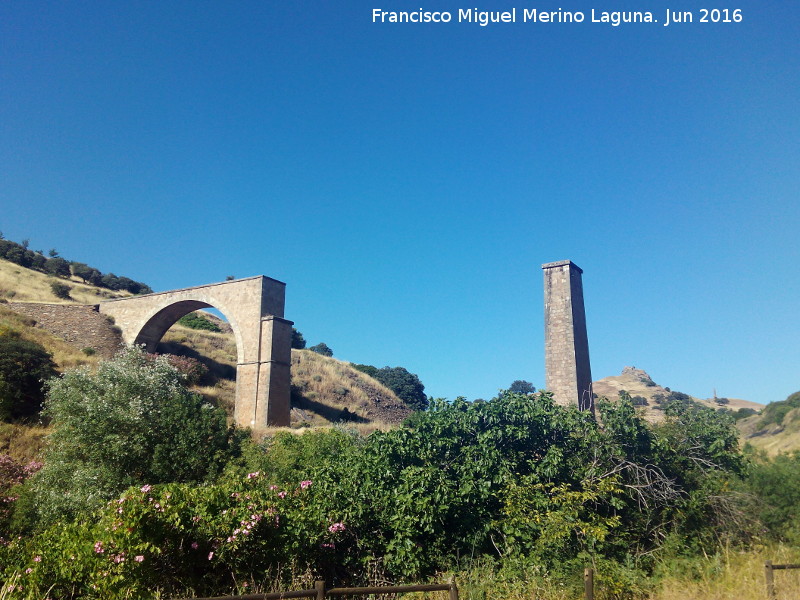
{"points": [[18, 284], [324, 390], [777, 428]]}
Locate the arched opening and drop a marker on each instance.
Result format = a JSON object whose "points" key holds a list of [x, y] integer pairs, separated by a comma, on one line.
{"points": [[207, 342]]}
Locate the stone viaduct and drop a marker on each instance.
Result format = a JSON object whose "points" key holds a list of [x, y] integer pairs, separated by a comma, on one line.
{"points": [[254, 309]]}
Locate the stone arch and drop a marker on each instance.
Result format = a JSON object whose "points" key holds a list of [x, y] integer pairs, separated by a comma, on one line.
{"points": [[161, 320], [254, 309]]}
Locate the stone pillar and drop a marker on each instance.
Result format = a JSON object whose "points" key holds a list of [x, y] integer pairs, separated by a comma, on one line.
{"points": [[567, 371], [273, 405]]}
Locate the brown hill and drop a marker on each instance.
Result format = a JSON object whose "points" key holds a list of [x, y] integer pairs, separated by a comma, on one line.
{"points": [[651, 396]]}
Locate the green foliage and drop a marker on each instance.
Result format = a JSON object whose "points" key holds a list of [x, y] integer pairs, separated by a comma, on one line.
{"points": [[520, 386], [197, 321], [133, 421], [775, 483], [58, 267], [407, 386], [775, 412], [322, 348], [61, 290], [298, 341], [24, 365], [517, 479]]}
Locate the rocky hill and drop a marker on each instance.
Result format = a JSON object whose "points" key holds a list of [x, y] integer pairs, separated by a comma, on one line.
{"points": [[650, 396]]}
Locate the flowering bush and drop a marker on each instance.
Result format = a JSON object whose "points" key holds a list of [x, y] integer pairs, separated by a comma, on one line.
{"points": [[206, 538], [133, 421]]}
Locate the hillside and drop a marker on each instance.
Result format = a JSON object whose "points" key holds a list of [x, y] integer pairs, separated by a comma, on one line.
{"points": [[772, 437], [639, 384], [324, 390]]}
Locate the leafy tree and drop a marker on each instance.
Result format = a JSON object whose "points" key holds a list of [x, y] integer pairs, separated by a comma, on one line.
{"points": [[298, 341], [86, 273], [229, 278], [53, 253], [131, 422], [58, 267], [322, 348], [197, 321], [24, 365], [520, 386], [406, 386]]}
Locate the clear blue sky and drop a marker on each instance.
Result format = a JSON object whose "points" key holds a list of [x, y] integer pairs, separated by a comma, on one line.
{"points": [[407, 181]]}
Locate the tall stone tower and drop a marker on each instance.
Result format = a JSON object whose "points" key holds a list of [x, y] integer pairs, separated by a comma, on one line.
{"points": [[566, 346]]}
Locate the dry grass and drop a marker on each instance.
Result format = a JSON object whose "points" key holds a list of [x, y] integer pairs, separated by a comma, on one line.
{"points": [[18, 284], [736, 575], [328, 390], [774, 438], [22, 442]]}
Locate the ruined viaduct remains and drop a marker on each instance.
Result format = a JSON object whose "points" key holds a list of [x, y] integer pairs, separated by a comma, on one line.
{"points": [[567, 371], [254, 309]]}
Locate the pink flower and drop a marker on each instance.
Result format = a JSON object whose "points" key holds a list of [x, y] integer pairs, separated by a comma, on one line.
{"points": [[28, 571], [138, 558], [281, 495], [37, 559], [305, 484], [146, 488], [273, 487], [336, 527], [194, 545], [253, 475], [210, 555], [98, 548]]}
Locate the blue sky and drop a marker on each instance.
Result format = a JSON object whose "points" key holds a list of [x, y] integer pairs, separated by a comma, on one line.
{"points": [[407, 181]]}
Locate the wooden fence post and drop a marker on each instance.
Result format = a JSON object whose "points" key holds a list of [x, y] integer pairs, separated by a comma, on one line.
{"points": [[768, 575], [453, 589], [588, 583], [319, 586]]}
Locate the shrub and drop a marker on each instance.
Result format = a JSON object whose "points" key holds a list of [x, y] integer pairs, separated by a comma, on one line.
{"points": [[61, 290], [133, 421], [24, 365], [322, 348], [406, 386], [58, 267], [298, 341], [520, 386], [198, 321]]}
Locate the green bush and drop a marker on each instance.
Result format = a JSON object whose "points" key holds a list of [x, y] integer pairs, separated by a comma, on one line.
{"points": [[198, 321], [298, 341], [131, 422], [61, 290], [322, 348], [407, 386], [520, 386], [24, 365]]}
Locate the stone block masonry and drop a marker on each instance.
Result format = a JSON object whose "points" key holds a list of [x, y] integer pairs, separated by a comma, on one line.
{"points": [[567, 370], [80, 325]]}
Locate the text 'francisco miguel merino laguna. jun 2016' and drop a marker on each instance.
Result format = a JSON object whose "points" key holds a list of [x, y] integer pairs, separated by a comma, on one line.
{"points": [[612, 18]]}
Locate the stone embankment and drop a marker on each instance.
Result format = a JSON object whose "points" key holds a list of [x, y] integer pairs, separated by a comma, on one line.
{"points": [[80, 325]]}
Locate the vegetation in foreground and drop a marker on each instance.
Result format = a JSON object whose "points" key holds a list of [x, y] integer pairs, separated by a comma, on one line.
{"points": [[517, 490]]}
